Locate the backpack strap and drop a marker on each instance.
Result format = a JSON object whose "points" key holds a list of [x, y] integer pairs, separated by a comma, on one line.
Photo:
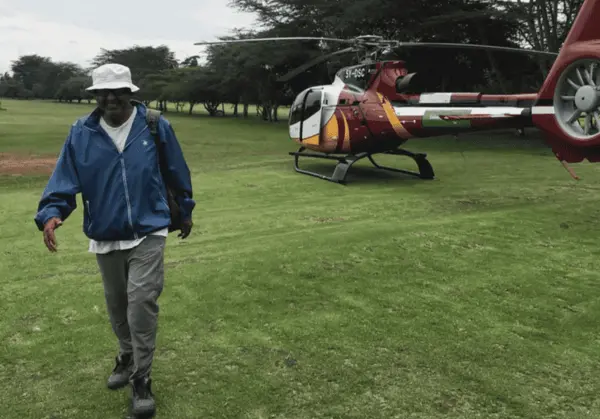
{"points": [[152, 118]]}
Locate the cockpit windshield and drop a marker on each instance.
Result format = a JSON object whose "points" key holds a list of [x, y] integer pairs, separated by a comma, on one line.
{"points": [[357, 76], [296, 109], [306, 105]]}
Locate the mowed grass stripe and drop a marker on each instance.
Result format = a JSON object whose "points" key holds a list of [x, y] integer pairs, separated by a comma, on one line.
{"points": [[250, 230]]}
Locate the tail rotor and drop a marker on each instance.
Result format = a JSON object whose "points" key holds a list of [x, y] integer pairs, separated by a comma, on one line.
{"points": [[568, 104], [577, 99]]}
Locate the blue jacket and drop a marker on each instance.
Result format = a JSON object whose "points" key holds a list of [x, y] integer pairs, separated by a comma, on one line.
{"points": [[123, 194]]}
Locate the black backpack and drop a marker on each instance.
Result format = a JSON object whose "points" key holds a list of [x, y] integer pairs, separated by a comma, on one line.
{"points": [[152, 118]]}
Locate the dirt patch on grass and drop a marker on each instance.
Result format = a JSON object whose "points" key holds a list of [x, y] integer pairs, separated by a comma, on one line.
{"points": [[26, 164]]}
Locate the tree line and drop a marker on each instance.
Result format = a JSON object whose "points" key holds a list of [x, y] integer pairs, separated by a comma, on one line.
{"points": [[246, 74]]}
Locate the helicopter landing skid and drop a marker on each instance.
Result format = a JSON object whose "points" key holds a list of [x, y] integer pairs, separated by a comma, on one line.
{"points": [[345, 162]]}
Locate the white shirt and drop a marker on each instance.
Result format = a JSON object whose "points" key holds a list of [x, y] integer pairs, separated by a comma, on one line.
{"points": [[119, 136]]}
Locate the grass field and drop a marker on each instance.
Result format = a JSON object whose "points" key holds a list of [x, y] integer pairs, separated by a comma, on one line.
{"points": [[475, 295]]}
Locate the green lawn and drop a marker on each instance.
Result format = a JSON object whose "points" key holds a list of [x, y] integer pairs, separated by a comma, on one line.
{"points": [[471, 296]]}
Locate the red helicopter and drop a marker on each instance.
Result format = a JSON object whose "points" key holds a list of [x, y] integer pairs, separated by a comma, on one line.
{"points": [[365, 111]]}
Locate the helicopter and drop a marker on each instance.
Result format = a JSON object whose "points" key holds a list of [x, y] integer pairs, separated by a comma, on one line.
{"points": [[366, 110]]}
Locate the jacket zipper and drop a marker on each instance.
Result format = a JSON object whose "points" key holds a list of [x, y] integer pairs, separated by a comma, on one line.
{"points": [[162, 197], [161, 183], [135, 235], [87, 204], [127, 195], [128, 201]]}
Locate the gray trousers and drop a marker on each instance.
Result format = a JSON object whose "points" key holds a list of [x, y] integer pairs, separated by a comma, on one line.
{"points": [[133, 280]]}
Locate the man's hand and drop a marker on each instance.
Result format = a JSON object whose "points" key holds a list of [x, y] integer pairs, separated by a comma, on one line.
{"points": [[49, 237], [186, 228]]}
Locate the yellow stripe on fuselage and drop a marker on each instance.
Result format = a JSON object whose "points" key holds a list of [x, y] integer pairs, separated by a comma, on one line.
{"points": [[393, 118]]}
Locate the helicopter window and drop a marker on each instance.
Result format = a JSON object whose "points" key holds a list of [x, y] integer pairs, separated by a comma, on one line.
{"points": [[296, 110], [312, 104]]}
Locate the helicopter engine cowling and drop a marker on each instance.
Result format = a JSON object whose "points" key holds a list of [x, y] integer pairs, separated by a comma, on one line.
{"points": [[393, 78], [402, 83]]}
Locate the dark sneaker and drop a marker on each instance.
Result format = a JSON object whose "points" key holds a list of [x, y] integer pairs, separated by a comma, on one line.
{"points": [[121, 373], [142, 399]]}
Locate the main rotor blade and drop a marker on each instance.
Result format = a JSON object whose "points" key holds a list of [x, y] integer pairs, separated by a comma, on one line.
{"points": [[469, 46], [290, 38], [293, 73]]}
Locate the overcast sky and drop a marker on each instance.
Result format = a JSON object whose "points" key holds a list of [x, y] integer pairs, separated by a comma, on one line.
{"points": [[76, 30]]}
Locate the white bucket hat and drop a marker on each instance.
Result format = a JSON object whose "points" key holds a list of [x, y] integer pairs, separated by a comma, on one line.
{"points": [[112, 76]]}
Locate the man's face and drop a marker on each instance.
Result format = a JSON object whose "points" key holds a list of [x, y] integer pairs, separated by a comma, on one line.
{"points": [[113, 102]]}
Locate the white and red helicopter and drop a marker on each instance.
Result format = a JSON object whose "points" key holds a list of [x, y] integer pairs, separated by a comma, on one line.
{"points": [[365, 111]]}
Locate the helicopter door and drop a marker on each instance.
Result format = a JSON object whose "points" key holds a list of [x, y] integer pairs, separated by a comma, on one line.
{"points": [[310, 129], [359, 117]]}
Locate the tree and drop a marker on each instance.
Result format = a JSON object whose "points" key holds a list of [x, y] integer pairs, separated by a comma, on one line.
{"points": [[543, 24], [74, 90], [40, 77], [31, 69], [142, 60], [248, 74], [11, 87], [472, 21]]}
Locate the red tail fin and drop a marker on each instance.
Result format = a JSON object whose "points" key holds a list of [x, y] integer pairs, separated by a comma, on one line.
{"points": [[568, 104]]}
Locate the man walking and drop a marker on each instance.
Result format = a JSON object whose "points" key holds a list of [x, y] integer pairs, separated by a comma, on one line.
{"points": [[111, 158]]}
